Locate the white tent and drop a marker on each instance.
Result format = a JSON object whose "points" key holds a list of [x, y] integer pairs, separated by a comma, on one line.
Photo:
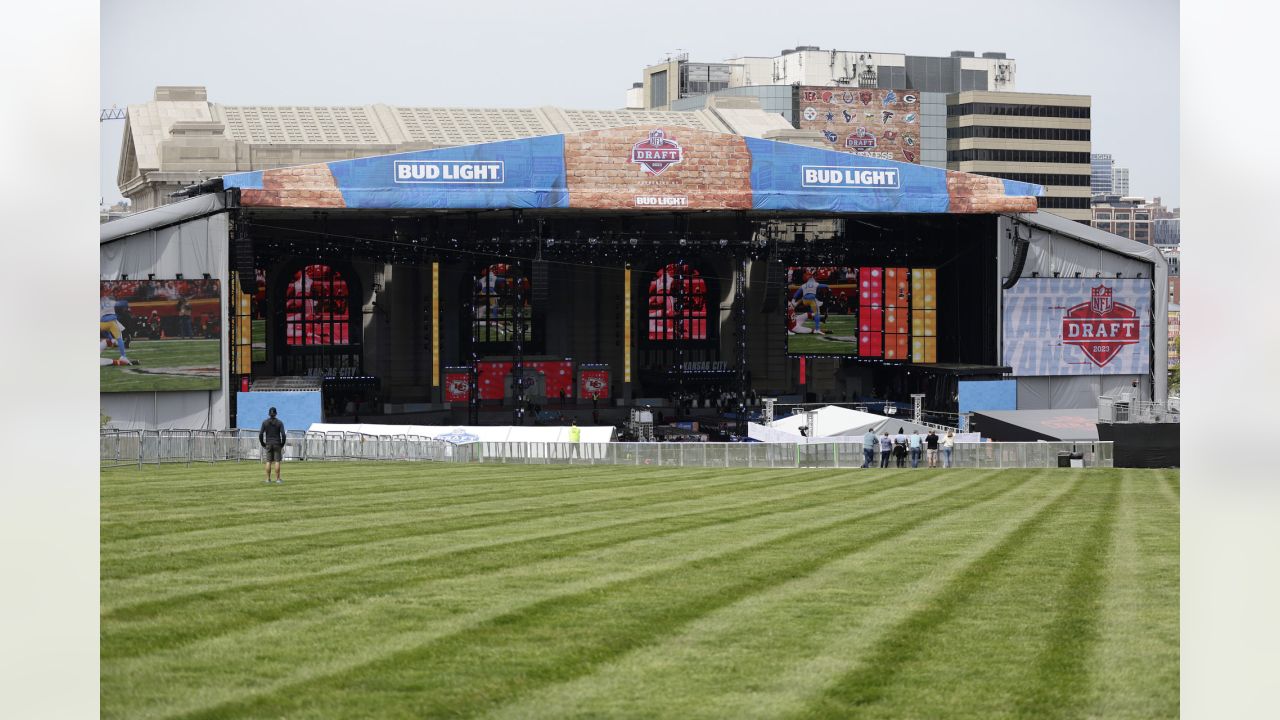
{"points": [[832, 424], [459, 434]]}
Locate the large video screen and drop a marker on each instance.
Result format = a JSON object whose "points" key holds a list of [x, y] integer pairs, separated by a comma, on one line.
{"points": [[879, 313], [159, 335], [678, 303], [498, 289], [1078, 326], [821, 312], [317, 307]]}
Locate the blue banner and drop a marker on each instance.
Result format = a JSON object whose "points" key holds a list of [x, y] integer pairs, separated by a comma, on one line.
{"points": [[785, 176]]}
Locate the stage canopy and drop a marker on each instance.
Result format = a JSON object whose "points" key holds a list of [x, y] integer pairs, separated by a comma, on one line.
{"points": [[633, 168]]}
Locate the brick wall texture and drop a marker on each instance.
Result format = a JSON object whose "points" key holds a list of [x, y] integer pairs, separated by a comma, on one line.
{"points": [[310, 186], [982, 194], [714, 172]]}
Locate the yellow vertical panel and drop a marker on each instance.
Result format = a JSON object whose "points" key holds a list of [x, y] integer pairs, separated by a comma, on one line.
{"points": [[435, 324], [917, 322], [917, 349], [626, 324]]}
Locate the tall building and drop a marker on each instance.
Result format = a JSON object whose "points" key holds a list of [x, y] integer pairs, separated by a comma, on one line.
{"points": [[1022, 136], [1120, 182], [1128, 217], [1031, 137], [678, 78], [1101, 174]]}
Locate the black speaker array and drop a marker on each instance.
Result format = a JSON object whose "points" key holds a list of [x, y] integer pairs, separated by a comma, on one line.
{"points": [[244, 264], [541, 283], [775, 287]]}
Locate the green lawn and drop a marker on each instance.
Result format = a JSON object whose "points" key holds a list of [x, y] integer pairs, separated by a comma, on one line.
{"points": [[421, 590], [165, 365], [843, 339]]}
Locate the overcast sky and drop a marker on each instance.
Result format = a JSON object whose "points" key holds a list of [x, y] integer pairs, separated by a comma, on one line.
{"points": [[498, 53]]}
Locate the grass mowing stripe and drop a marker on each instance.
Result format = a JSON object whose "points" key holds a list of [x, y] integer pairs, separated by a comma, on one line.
{"points": [[367, 634], [866, 684], [1169, 489], [1136, 659], [1061, 672], [765, 654], [230, 578], [606, 622], [152, 626], [147, 529], [238, 549]]}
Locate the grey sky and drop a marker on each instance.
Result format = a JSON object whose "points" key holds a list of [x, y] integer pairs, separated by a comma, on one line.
{"points": [[586, 54]]}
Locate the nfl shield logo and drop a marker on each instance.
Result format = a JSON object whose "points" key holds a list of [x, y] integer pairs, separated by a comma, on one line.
{"points": [[657, 153], [1101, 302]]}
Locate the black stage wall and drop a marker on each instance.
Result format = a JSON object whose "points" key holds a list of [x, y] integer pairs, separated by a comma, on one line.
{"points": [[1143, 445]]}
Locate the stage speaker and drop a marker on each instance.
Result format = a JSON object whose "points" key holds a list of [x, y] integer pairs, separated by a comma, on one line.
{"points": [[244, 264], [775, 287], [541, 282]]}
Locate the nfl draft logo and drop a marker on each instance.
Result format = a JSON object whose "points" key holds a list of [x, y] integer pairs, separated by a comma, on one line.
{"points": [[1100, 327], [860, 140], [657, 153]]}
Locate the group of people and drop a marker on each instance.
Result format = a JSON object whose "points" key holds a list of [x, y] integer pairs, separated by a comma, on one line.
{"points": [[902, 446]]}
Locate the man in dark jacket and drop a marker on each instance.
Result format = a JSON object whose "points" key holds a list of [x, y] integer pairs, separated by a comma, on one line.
{"points": [[271, 436]]}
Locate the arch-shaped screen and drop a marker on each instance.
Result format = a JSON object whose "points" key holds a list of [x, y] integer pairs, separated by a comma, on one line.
{"points": [[317, 307]]}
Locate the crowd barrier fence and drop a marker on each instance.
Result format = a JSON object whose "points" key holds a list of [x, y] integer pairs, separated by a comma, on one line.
{"points": [[118, 448]]}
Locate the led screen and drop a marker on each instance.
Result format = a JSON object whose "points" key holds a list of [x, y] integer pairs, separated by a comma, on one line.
{"points": [[1078, 326], [678, 303], [159, 335], [498, 290]]}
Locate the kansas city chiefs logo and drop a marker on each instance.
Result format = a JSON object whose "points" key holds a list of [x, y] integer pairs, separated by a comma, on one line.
{"points": [[657, 153], [1100, 327], [459, 387], [593, 384]]}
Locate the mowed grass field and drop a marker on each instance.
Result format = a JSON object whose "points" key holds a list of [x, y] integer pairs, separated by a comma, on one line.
{"points": [[397, 590], [165, 365]]}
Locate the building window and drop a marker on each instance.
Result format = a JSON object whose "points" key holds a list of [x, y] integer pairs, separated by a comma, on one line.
{"points": [[1061, 203], [1007, 109], [1016, 133], [658, 89], [1104, 215], [1028, 156]]}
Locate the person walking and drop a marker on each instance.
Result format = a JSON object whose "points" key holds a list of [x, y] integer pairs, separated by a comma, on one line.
{"points": [[869, 445], [900, 448], [916, 444], [948, 444], [272, 437], [886, 449], [931, 448]]}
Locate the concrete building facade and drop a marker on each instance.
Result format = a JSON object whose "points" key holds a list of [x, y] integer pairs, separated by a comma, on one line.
{"points": [[1031, 137]]}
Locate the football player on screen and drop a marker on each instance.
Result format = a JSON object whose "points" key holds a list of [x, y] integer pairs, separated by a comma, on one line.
{"points": [[111, 332]]}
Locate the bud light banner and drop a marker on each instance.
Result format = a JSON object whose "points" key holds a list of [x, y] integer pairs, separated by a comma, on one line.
{"points": [[655, 168], [1078, 326]]}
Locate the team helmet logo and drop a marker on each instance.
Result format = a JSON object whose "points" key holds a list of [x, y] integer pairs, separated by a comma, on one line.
{"points": [[458, 386], [1101, 328], [593, 384], [656, 153]]}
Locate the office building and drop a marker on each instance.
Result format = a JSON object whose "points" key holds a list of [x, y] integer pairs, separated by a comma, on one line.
{"points": [[1031, 137], [1101, 174], [1120, 182]]}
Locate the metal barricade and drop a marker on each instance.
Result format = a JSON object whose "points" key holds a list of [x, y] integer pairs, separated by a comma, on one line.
{"points": [[129, 447]]}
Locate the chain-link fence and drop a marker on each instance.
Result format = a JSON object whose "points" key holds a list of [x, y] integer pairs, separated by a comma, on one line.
{"points": [[142, 447]]}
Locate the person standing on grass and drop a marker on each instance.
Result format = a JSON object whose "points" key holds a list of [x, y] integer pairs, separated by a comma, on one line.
{"points": [[886, 447], [869, 445], [916, 444], [948, 445], [900, 448], [271, 436], [931, 447]]}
